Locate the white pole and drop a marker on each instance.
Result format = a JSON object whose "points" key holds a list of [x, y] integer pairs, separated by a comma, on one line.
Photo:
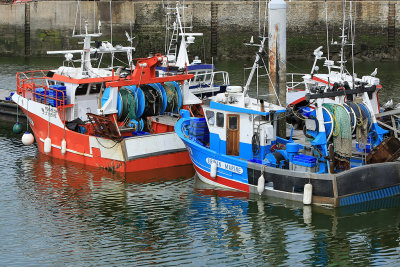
{"points": [[277, 49], [277, 57]]}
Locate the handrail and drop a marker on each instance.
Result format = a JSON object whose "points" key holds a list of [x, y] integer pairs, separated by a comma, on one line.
{"points": [[27, 82], [210, 82], [293, 84]]}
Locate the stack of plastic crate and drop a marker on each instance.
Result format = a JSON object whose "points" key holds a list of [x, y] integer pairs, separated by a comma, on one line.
{"points": [[199, 130], [56, 95]]}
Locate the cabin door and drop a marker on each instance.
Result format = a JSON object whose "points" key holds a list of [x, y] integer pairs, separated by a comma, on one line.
{"points": [[232, 135]]}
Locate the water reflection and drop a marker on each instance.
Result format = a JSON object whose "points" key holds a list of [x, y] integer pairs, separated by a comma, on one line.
{"points": [[289, 233], [58, 213]]}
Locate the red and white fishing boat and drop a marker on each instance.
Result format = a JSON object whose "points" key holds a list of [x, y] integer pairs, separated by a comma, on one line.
{"points": [[122, 121]]}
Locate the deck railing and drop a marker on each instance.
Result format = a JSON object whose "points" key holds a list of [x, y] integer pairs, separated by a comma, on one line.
{"points": [[27, 84], [294, 81]]}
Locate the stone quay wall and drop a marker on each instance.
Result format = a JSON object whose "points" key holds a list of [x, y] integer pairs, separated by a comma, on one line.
{"points": [[36, 27]]}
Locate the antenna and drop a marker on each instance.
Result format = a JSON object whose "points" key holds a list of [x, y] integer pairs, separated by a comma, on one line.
{"points": [[327, 28], [183, 16], [76, 18], [343, 37], [111, 20], [259, 17], [353, 32]]}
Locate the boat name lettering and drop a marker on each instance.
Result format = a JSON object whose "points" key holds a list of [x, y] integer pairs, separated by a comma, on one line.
{"points": [[225, 166], [49, 111]]}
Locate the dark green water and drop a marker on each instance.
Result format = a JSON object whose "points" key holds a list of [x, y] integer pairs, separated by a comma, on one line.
{"points": [[55, 213]]}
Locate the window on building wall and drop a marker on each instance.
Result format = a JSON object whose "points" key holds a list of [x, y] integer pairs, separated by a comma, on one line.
{"points": [[220, 119], [210, 117], [81, 89]]}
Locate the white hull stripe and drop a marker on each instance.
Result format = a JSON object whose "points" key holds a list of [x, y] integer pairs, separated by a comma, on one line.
{"points": [[70, 150], [219, 176]]}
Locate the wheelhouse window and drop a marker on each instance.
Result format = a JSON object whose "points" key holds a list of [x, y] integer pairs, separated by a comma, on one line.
{"points": [[95, 88], [220, 119], [210, 117], [82, 89]]}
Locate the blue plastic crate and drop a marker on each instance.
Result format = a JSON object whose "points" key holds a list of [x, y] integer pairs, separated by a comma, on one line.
{"points": [[56, 97], [198, 123], [198, 131], [58, 87], [304, 160], [39, 94]]}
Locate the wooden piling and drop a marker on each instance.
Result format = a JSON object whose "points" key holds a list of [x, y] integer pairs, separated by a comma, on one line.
{"points": [[214, 29], [391, 24], [27, 29]]}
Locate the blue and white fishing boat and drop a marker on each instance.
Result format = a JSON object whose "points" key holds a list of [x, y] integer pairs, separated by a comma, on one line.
{"points": [[344, 157]]}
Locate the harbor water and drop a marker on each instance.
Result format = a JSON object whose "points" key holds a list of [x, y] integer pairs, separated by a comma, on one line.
{"points": [[56, 213]]}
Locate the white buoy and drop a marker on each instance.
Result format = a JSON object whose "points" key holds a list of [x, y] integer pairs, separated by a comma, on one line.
{"points": [[213, 171], [27, 139], [63, 146], [307, 195], [47, 145], [261, 184]]}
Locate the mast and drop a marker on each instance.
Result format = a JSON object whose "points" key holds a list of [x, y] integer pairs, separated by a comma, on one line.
{"points": [[343, 43]]}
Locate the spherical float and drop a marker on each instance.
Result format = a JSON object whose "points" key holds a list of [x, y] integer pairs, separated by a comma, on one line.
{"points": [[17, 128], [27, 139]]}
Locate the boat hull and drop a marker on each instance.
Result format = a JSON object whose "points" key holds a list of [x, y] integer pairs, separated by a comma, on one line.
{"points": [[133, 154], [361, 184]]}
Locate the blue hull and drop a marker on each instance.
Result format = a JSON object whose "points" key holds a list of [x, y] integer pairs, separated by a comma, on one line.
{"points": [[358, 185]]}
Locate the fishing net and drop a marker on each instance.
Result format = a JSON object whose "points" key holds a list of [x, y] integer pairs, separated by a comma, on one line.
{"points": [[128, 104], [172, 97], [362, 123], [342, 140]]}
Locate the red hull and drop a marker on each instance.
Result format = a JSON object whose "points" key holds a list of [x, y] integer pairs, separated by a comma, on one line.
{"points": [[79, 150], [222, 181]]}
